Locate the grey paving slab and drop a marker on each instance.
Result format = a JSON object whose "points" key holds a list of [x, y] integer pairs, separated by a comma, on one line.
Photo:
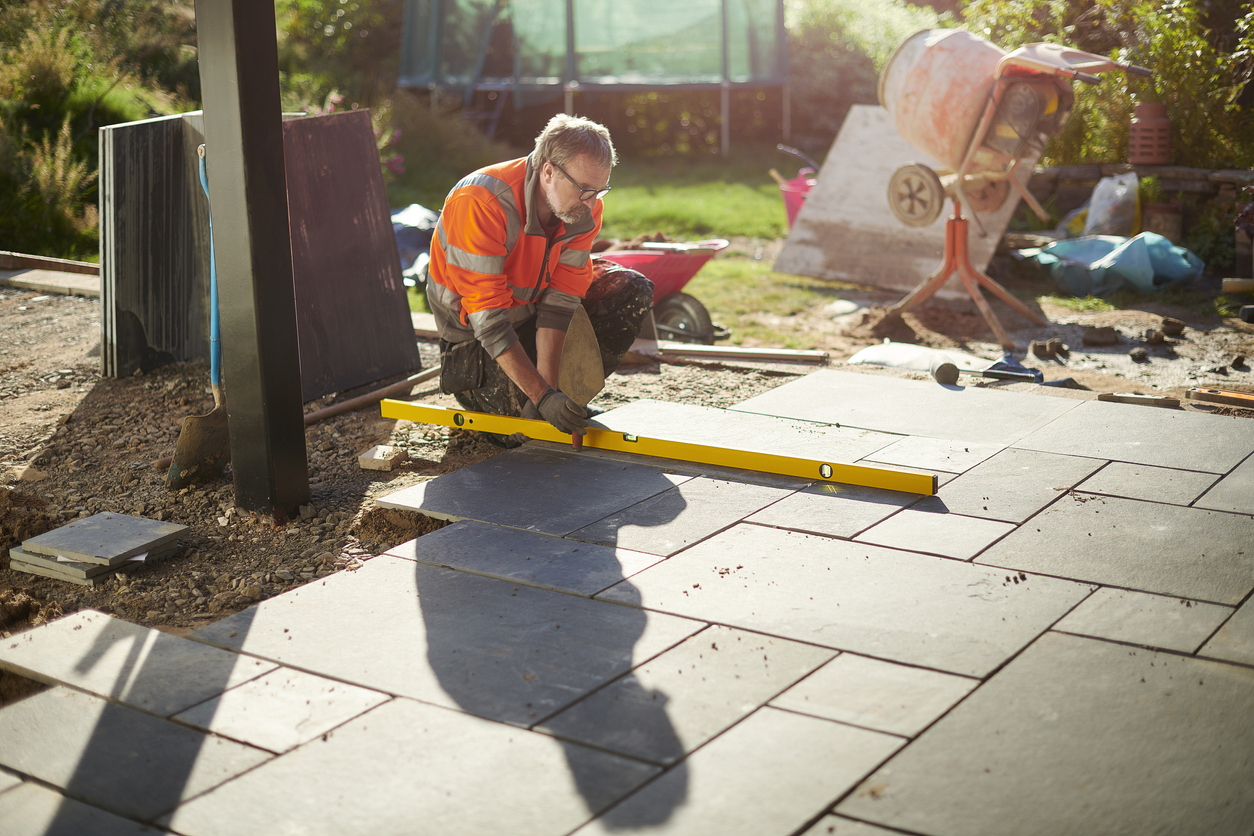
{"points": [[1234, 492], [878, 695], [684, 467], [1150, 620], [526, 557], [939, 454], [691, 693], [1159, 437], [1145, 546], [1012, 485], [106, 537], [141, 667], [921, 610], [948, 535], [8, 780], [62, 567], [841, 826], [1235, 640], [535, 488], [35, 810], [1152, 484], [673, 520], [488, 647], [769, 774], [110, 756], [411, 768], [834, 510], [734, 429], [1080, 736], [910, 407], [281, 710]]}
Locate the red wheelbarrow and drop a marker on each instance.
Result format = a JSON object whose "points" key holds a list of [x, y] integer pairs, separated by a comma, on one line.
{"points": [[677, 316]]}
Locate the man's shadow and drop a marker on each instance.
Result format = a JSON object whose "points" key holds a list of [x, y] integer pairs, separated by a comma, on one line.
{"points": [[527, 657]]}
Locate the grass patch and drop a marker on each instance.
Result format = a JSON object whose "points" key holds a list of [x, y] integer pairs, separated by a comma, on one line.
{"points": [[738, 291], [694, 198]]}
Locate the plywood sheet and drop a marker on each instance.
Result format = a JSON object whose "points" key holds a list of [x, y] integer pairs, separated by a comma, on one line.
{"points": [[846, 230]]}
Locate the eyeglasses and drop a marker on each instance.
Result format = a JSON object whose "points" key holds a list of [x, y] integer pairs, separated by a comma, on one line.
{"points": [[584, 194]]}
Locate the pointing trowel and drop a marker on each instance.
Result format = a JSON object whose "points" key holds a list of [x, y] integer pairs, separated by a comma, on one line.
{"points": [[580, 375]]}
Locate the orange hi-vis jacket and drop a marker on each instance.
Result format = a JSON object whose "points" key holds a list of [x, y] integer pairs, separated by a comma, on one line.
{"points": [[492, 264]]}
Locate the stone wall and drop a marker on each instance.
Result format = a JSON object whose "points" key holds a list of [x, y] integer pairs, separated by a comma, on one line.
{"points": [[1198, 189]]}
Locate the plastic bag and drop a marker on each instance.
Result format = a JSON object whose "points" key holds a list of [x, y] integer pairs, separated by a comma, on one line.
{"points": [[1097, 265], [1114, 208]]}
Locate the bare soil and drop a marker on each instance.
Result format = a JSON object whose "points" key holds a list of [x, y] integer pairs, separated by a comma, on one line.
{"points": [[73, 444]]}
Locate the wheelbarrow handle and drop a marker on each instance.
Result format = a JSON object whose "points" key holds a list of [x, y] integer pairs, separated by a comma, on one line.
{"points": [[1133, 69]]}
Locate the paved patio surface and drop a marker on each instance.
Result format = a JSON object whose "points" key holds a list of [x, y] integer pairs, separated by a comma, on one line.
{"points": [[1061, 641]]}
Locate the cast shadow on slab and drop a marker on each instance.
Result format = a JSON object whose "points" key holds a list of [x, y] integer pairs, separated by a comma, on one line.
{"points": [[572, 644], [130, 759]]}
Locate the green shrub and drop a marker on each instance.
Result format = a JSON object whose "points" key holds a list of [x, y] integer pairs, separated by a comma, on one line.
{"points": [[1202, 70], [837, 49]]}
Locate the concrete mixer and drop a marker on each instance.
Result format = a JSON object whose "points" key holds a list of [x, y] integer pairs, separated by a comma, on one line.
{"points": [[979, 111]]}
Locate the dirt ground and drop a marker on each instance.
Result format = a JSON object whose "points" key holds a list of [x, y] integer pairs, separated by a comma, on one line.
{"points": [[73, 444]]}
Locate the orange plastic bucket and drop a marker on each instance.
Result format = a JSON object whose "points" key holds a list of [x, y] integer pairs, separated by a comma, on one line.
{"points": [[936, 86]]}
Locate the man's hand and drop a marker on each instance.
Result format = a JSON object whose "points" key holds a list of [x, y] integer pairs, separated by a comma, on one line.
{"points": [[561, 412]]}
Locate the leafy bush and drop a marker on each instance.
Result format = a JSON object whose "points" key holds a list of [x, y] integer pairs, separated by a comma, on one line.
{"points": [[837, 49], [1202, 71], [66, 69]]}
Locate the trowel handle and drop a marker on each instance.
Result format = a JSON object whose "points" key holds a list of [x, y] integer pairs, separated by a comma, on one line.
{"points": [[576, 441]]}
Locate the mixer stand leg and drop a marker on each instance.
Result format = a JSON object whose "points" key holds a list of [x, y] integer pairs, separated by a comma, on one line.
{"points": [[958, 260]]}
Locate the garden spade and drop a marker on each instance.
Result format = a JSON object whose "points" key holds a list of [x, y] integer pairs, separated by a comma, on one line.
{"points": [[204, 444], [580, 374]]}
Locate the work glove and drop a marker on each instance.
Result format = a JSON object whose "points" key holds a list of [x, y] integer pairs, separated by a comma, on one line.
{"points": [[560, 411]]}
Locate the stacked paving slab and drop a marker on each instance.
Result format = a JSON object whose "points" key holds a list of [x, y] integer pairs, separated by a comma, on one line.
{"points": [[1061, 640], [87, 551]]}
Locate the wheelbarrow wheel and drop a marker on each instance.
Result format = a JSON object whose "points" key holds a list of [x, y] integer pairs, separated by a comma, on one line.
{"points": [[683, 318], [915, 195]]}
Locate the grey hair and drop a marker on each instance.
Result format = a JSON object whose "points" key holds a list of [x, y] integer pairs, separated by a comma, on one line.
{"points": [[567, 137]]}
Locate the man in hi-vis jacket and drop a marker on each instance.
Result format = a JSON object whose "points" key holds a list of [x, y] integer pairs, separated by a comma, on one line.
{"points": [[511, 258]]}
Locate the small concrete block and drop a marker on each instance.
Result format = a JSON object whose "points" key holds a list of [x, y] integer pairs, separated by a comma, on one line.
{"points": [[488, 647], [281, 710], [1235, 640], [410, 768], [834, 510], [934, 454], [111, 756], [941, 614], [948, 535], [144, 668], [1134, 741], [679, 700], [677, 518], [35, 810], [877, 695], [382, 457], [534, 488], [525, 557], [1158, 437], [1234, 492], [1149, 620], [1011, 486], [1187, 552], [771, 773], [911, 407], [841, 826], [1152, 484], [106, 537]]}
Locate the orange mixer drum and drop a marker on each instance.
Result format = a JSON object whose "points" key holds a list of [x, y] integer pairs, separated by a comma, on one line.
{"points": [[936, 86]]}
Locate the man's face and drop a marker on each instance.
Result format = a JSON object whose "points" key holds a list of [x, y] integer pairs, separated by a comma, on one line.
{"points": [[562, 195]]}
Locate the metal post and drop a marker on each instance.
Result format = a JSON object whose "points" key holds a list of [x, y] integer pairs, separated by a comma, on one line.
{"points": [[787, 112], [725, 97], [239, 77]]}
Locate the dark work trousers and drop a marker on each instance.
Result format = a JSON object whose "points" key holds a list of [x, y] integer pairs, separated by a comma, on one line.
{"points": [[617, 301]]}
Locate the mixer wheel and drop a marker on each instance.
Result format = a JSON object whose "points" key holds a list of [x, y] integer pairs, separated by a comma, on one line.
{"points": [[915, 195]]}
